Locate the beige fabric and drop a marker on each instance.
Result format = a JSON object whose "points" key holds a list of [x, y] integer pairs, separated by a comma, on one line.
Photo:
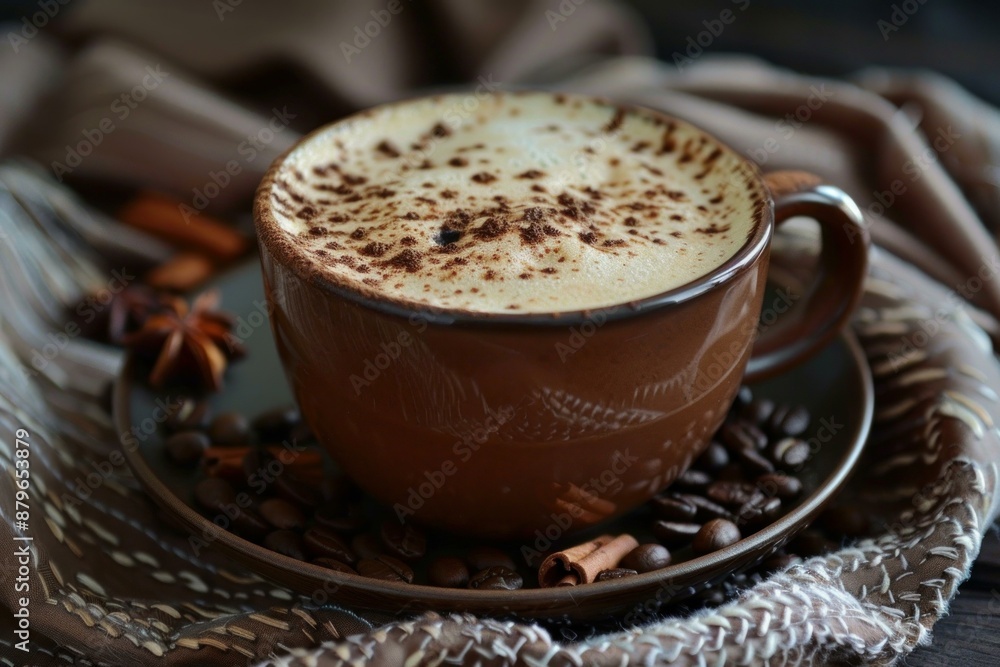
{"points": [[121, 585]]}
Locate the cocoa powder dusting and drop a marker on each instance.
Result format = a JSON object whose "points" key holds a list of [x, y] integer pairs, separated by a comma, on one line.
{"points": [[532, 233], [492, 228], [374, 249], [616, 120], [387, 148], [483, 177], [408, 260]]}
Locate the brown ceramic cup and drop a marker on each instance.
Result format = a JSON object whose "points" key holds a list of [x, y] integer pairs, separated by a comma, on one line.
{"points": [[500, 425]]}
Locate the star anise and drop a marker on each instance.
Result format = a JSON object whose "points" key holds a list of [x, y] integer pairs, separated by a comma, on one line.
{"points": [[130, 308], [187, 344]]}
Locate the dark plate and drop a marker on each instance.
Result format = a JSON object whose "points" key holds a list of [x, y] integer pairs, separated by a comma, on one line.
{"points": [[835, 386]]}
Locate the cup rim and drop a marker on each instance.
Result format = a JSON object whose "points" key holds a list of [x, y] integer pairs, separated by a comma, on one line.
{"points": [[273, 240]]}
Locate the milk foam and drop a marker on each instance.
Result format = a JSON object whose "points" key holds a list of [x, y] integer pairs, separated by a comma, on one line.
{"points": [[513, 203]]}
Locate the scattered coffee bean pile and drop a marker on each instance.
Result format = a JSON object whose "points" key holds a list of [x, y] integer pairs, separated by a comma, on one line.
{"points": [[741, 483], [264, 480]]}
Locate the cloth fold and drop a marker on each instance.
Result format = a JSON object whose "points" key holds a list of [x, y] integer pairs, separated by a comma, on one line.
{"points": [[114, 584]]}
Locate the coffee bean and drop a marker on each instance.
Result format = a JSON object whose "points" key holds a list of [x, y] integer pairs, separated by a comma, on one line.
{"points": [[350, 519], [714, 458], [615, 573], [448, 572], [811, 542], [732, 473], [740, 435], [790, 452], [403, 540], [301, 434], [276, 425], [385, 568], [229, 429], [846, 521], [213, 493], [788, 421], [259, 468], [281, 514], [292, 488], [286, 542], [366, 545], [672, 509], [714, 535], [754, 462], [758, 410], [190, 415], [780, 485], [743, 398], [339, 489], [496, 579], [250, 525], [758, 511], [320, 541], [692, 480], [714, 597], [646, 558], [673, 533], [732, 494], [705, 509], [777, 562], [482, 558], [185, 448], [333, 564]]}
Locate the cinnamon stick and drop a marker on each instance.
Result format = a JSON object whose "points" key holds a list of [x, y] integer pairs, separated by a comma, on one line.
{"points": [[582, 563], [181, 273], [178, 224]]}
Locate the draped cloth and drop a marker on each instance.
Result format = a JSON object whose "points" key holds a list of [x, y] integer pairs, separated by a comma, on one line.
{"points": [[113, 584]]}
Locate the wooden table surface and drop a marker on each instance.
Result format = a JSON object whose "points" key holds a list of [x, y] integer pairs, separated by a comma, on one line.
{"points": [[970, 635]]}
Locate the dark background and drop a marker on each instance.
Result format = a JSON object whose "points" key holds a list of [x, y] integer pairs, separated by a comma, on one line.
{"points": [[958, 38]]}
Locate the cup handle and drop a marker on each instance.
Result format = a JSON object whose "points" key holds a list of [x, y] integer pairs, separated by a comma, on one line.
{"points": [[836, 290]]}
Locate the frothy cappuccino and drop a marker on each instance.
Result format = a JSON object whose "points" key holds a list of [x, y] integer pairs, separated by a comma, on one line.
{"points": [[514, 203]]}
